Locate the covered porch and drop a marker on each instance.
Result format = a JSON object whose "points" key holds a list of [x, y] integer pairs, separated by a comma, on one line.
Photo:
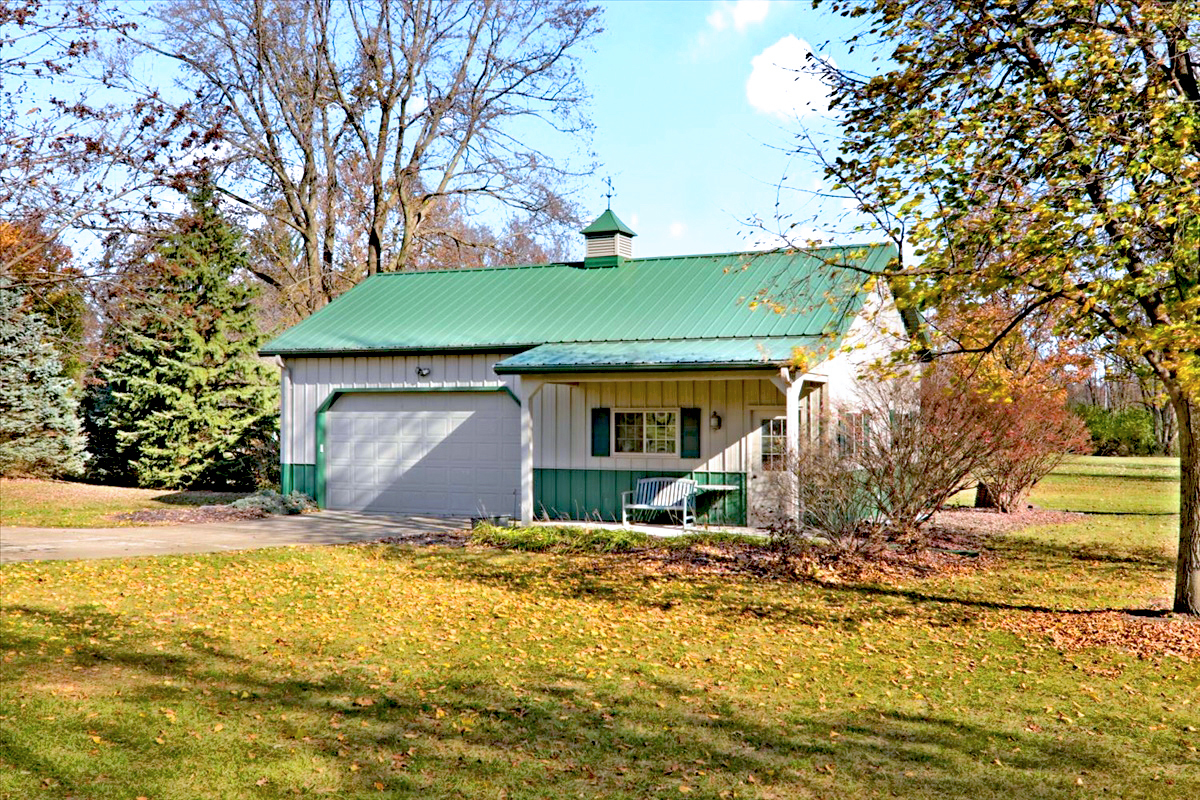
{"points": [[597, 418]]}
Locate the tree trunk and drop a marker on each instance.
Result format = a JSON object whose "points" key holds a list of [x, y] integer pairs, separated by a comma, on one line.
{"points": [[983, 496], [1187, 570]]}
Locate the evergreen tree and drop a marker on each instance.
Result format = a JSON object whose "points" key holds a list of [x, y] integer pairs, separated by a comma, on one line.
{"points": [[39, 426], [188, 399]]}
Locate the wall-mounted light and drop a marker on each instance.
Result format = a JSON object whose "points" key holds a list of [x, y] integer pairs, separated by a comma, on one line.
{"points": [[422, 372], [714, 421]]}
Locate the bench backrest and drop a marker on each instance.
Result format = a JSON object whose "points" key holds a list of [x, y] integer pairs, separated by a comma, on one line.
{"points": [[663, 492]]}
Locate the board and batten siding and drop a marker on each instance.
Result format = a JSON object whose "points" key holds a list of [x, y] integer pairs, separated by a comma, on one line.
{"points": [[562, 421], [571, 482], [307, 382]]}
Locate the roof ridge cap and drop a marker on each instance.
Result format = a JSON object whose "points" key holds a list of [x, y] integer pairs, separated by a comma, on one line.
{"points": [[771, 252], [456, 270]]}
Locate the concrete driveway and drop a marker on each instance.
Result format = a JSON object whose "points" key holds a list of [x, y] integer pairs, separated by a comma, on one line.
{"points": [[321, 527]]}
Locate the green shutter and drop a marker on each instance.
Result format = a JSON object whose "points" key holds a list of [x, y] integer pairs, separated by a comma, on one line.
{"points": [[689, 428], [600, 434]]}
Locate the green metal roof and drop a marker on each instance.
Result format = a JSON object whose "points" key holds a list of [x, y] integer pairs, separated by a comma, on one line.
{"points": [[668, 354], [607, 223], [705, 297]]}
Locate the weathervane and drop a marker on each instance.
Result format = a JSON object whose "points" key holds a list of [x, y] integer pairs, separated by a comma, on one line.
{"points": [[610, 193]]}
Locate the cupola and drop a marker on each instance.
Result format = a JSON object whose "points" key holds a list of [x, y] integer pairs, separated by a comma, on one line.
{"points": [[609, 242]]}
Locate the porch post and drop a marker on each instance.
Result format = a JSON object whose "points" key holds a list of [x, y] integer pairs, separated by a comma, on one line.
{"points": [[790, 386], [526, 389], [793, 417]]}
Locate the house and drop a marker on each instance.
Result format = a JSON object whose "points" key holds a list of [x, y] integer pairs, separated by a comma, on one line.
{"points": [[547, 390]]}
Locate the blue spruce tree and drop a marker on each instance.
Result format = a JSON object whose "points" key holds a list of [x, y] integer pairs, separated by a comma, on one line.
{"points": [[39, 423]]}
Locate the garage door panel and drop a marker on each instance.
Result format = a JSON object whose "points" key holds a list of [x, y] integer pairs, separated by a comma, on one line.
{"points": [[438, 453]]}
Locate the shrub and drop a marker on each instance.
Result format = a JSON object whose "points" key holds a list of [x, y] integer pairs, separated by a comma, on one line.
{"points": [[916, 444], [821, 498], [564, 539], [270, 501], [1034, 432], [905, 449], [1123, 432]]}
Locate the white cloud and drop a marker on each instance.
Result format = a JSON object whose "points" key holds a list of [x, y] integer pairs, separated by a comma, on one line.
{"points": [[677, 229], [785, 82], [739, 15]]}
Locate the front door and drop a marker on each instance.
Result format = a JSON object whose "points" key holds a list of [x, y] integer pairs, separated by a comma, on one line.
{"points": [[768, 492]]}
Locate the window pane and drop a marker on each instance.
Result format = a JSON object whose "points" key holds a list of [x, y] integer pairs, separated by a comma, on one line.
{"points": [[630, 432], [773, 434], [660, 432]]}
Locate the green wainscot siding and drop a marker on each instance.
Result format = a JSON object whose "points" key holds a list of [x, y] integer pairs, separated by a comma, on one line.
{"points": [[298, 478], [585, 494]]}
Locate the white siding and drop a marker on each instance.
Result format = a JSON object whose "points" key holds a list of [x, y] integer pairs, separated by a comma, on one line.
{"points": [[312, 379], [624, 245], [562, 421], [876, 333]]}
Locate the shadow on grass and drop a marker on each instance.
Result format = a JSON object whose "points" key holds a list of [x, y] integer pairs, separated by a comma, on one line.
{"points": [[456, 730], [814, 603], [1094, 513], [1025, 547], [199, 497], [913, 595]]}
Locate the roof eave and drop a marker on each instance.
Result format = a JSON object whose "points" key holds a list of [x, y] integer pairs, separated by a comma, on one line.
{"points": [[268, 352], [715, 366]]}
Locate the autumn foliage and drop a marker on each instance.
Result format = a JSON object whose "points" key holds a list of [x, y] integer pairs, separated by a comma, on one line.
{"points": [[1033, 432], [911, 444]]}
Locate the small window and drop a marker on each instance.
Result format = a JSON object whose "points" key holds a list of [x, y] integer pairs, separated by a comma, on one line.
{"points": [[647, 432], [774, 443], [852, 433]]}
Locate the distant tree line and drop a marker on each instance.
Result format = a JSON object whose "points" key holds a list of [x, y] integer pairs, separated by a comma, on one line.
{"points": [[1127, 413]]}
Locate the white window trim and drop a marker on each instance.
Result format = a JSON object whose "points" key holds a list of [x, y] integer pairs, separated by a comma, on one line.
{"points": [[646, 410]]}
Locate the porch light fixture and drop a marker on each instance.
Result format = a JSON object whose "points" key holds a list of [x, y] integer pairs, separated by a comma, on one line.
{"points": [[422, 372], [714, 421]]}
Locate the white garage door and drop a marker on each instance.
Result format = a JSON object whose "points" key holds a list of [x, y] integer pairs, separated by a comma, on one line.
{"points": [[436, 453]]}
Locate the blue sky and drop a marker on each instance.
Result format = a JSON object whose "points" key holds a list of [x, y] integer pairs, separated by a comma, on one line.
{"points": [[691, 101]]}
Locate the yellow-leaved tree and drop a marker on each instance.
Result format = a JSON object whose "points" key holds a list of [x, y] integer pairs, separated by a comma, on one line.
{"points": [[1047, 151]]}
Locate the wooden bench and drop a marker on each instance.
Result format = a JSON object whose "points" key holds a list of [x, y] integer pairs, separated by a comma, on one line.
{"points": [[662, 494]]}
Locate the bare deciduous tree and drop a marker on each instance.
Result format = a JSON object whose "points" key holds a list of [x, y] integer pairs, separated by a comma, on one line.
{"points": [[416, 102], [70, 152]]}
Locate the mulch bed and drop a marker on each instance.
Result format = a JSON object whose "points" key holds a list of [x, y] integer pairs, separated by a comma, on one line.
{"points": [[194, 514], [982, 522], [433, 539]]}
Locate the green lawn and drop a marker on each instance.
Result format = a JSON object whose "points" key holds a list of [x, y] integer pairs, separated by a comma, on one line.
{"points": [[1143, 485], [63, 504], [395, 672]]}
